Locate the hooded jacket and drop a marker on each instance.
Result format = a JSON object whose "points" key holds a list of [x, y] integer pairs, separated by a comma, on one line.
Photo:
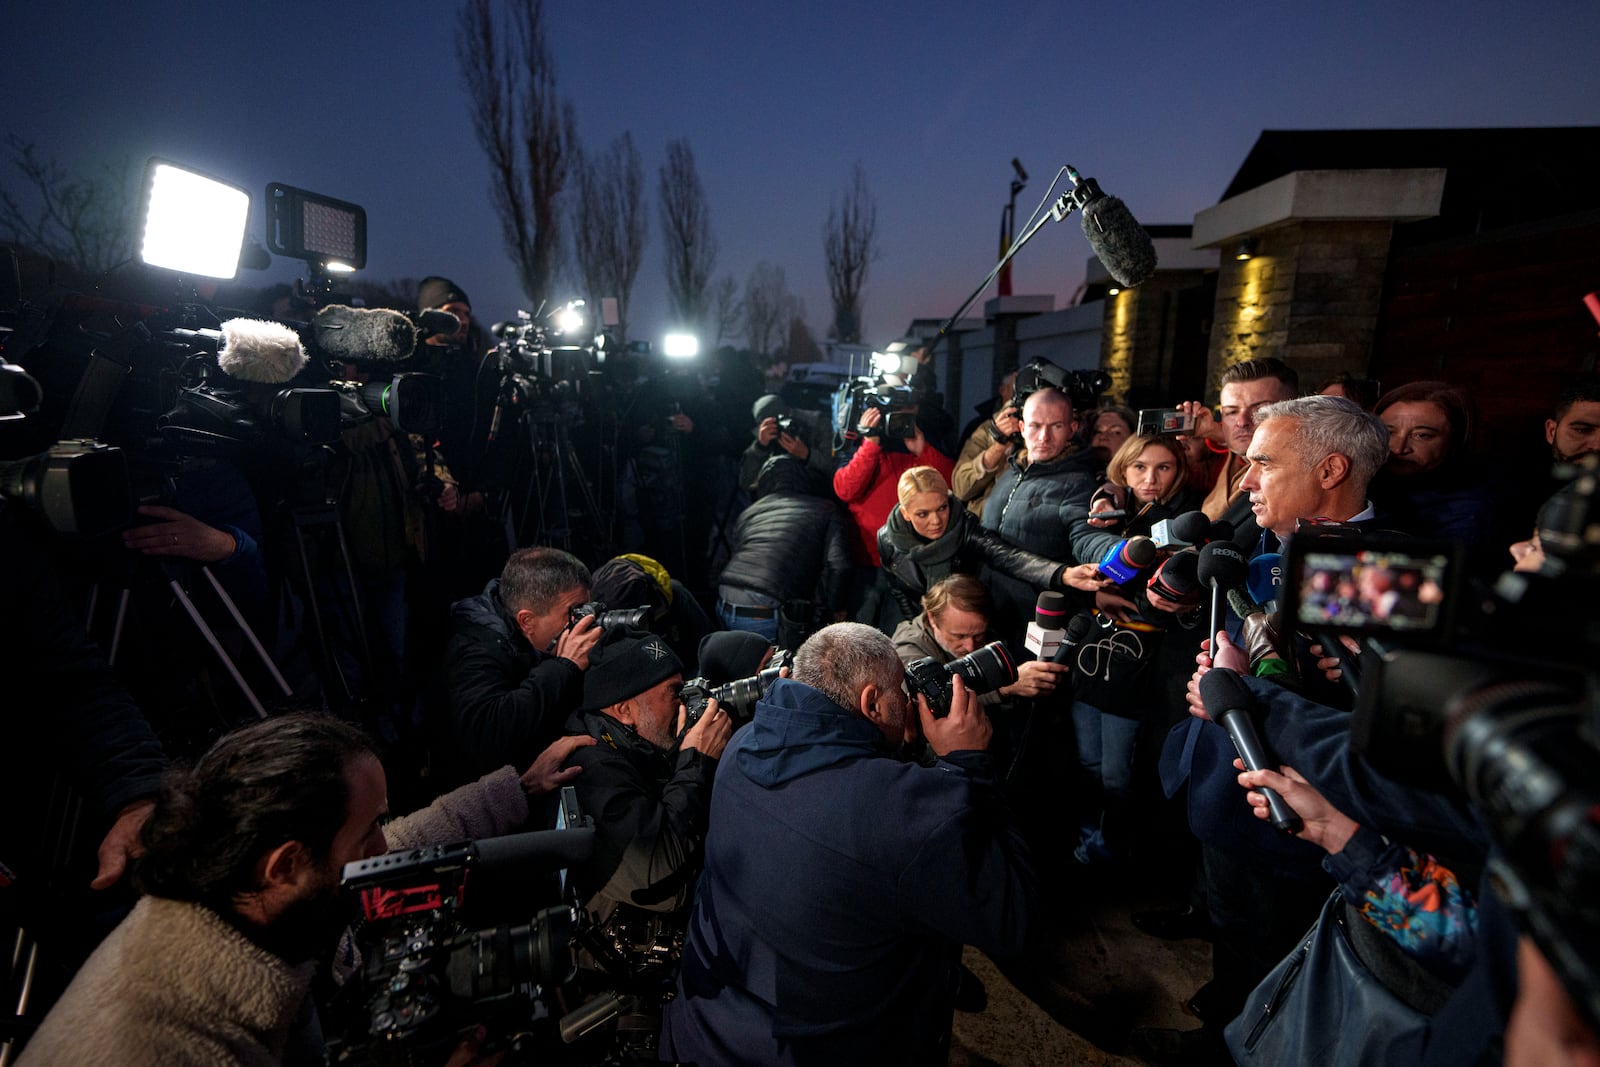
{"points": [[839, 885]]}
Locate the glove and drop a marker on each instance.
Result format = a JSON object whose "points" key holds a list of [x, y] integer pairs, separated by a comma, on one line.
{"points": [[1263, 640]]}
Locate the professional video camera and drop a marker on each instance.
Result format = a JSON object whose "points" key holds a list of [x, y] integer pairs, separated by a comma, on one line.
{"points": [[1490, 694], [738, 697], [983, 671], [860, 395], [1082, 386], [430, 971], [546, 353]]}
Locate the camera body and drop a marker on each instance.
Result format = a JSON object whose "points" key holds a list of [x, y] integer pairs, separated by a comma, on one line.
{"points": [[1084, 387], [983, 671], [429, 970], [738, 697], [896, 403]]}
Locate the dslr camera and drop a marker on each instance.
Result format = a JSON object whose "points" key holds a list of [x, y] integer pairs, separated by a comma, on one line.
{"points": [[983, 671], [611, 620], [738, 697]]}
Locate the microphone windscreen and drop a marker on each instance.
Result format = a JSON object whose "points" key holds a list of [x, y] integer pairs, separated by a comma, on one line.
{"points": [[1242, 605], [1140, 551], [1221, 530], [1050, 610], [436, 321], [1181, 572], [363, 335], [1224, 691], [1079, 628], [257, 351], [1125, 250], [1192, 527], [1266, 577], [1221, 562]]}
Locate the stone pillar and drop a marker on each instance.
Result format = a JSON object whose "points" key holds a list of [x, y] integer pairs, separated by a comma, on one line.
{"points": [[1319, 248]]}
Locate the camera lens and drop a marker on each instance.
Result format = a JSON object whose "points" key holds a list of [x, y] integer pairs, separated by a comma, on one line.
{"points": [[985, 670]]}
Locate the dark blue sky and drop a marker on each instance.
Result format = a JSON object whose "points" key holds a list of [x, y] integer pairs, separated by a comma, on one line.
{"points": [[1160, 101]]}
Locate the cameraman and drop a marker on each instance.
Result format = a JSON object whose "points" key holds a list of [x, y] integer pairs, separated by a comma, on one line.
{"points": [[780, 431], [514, 665], [244, 853]]}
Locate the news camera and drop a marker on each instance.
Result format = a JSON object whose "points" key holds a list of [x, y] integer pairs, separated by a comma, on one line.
{"points": [[436, 963], [1488, 694], [1083, 387]]}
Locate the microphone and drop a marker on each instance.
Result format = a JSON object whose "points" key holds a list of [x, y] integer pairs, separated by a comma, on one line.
{"points": [[1124, 560], [1045, 631], [1265, 579], [1221, 530], [435, 322], [1177, 578], [1190, 528], [1221, 566], [1228, 702], [535, 851], [1076, 631], [363, 335], [1122, 245], [257, 351]]}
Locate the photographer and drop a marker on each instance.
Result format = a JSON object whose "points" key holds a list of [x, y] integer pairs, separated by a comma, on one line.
{"points": [[649, 791], [781, 431], [514, 664], [954, 622], [840, 882], [243, 858]]}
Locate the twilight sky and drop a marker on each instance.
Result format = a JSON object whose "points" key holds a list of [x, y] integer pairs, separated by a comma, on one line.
{"points": [[1160, 101]]}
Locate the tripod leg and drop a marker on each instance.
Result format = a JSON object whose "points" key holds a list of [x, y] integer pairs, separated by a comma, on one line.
{"points": [[116, 626], [216, 646], [250, 634], [330, 662]]}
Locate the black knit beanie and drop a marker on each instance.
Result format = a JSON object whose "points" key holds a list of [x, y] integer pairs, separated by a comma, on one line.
{"points": [[625, 665], [436, 292]]}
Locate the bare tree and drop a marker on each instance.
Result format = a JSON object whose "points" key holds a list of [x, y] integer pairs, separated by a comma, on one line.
{"points": [[850, 240], [526, 132], [82, 223], [726, 309], [608, 224], [691, 252], [768, 307]]}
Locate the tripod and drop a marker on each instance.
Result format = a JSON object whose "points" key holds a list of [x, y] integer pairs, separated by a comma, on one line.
{"points": [[546, 513], [318, 526]]}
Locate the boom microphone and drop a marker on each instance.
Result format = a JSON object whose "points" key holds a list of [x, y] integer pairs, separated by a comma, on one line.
{"points": [[1125, 250], [1228, 702], [363, 335]]}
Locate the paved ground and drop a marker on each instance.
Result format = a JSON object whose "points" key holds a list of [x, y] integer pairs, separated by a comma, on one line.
{"points": [[1091, 978]]}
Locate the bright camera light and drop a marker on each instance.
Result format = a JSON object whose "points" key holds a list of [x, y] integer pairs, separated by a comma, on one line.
{"points": [[193, 224], [569, 319], [335, 267], [680, 346]]}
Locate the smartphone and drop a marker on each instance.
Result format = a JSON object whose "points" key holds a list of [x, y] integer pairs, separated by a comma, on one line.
{"points": [[1165, 420]]}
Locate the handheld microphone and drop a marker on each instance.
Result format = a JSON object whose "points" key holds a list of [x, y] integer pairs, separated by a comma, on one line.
{"points": [[1228, 702], [1177, 578], [363, 335], [1221, 566], [1265, 580], [1124, 560], [1045, 631], [257, 351], [1122, 245], [1190, 528], [1076, 631]]}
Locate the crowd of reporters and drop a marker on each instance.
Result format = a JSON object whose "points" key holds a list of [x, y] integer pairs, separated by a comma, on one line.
{"points": [[861, 547]]}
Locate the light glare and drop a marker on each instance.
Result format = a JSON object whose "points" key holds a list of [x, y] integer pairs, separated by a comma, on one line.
{"points": [[680, 346], [195, 224]]}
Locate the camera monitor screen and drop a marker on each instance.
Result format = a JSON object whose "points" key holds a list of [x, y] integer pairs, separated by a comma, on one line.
{"points": [[1365, 586]]}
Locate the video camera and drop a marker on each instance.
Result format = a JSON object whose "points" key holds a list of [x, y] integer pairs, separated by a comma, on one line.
{"points": [[896, 403], [1084, 387], [429, 970], [1489, 695]]}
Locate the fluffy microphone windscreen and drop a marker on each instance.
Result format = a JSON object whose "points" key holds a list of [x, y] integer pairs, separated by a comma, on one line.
{"points": [[256, 351], [363, 335], [1124, 248]]}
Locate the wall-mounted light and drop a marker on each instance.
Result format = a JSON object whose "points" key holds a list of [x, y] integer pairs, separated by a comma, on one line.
{"points": [[1247, 248]]}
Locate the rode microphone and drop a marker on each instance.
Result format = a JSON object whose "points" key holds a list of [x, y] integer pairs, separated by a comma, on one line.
{"points": [[1124, 560], [1124, 248], [1222, 566], [363, 335], [257, 351], [1046, 630], [1190, 528], [1228, 703]]}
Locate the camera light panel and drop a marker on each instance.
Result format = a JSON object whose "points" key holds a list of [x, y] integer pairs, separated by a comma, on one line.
{"points": [[192, 224]]}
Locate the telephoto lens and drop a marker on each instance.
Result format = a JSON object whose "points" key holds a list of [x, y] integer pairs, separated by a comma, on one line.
{"points": [[983, 671]]}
